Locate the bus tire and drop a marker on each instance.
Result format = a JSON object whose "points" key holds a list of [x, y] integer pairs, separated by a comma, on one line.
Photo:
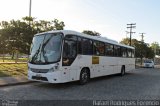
{"points": [[84, 76], [123, 71]]}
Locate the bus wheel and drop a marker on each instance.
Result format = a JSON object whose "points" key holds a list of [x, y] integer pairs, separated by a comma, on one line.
{"points": [[123, 71], [84, 76]]}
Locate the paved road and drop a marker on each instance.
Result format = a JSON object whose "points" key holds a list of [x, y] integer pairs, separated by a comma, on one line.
{"points": [[141, 84]]}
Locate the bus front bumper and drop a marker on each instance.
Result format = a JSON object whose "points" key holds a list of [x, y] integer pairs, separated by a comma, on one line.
{"points": [[50, 77]]}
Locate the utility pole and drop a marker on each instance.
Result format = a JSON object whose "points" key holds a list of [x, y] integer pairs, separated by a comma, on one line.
{"points": [[30, 8], [131, 26], [142, 36], [142, 42]]}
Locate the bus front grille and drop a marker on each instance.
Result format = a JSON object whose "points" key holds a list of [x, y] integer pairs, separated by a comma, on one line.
{"points": [[39, 78], [39, 70]]}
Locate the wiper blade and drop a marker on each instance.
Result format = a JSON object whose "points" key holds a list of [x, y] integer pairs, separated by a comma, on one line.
{"points": [[36, 54], [43, 46]]}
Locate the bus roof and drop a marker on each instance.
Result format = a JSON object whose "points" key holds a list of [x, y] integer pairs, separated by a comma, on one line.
{"points": [[99, 38]]}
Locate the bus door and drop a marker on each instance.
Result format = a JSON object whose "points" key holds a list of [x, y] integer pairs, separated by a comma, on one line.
{"points": [[69, 55]]}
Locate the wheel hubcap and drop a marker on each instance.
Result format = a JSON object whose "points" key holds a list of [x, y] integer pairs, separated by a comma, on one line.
{"points": [[84, 77]]}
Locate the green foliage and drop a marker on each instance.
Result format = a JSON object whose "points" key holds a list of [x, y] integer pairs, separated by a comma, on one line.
{"points": [[92, 33], [17, 34], [156, 47], [58, 25], [142, 49]]}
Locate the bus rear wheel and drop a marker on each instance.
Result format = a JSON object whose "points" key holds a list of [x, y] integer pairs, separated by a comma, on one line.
{"points": [[123, 71], [84, 76]]}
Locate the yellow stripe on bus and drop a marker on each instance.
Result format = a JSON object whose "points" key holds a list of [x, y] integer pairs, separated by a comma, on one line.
{"points": [[95, 60]]}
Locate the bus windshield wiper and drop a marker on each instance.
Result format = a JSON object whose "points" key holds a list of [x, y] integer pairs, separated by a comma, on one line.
{"points": [[43, 46], [36, 54]]}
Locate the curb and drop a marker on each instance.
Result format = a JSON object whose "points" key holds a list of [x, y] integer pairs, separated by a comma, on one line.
{"points": [[18, 83]]}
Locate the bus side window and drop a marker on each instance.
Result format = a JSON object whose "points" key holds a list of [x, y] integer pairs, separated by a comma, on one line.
{"points": [[115, 50], [129, 53], [84, 48], [119, 51], [95, 48], [124, 52], [109, 49], [87, 48], [90, 47], [101, 48], [79, 44]]}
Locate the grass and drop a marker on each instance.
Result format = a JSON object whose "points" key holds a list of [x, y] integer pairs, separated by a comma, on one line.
{"points": [[13, 70]]}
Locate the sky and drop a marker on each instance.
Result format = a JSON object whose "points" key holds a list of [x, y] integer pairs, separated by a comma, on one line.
{"points": [[108, 17]]}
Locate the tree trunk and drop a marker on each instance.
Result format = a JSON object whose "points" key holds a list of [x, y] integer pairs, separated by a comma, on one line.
{"points": [[13, 55], [16, 59], [3, 55]]}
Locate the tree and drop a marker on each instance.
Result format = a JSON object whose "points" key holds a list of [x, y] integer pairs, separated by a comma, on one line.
{"points": [[18, 34], [58, 25], [92, 33], [150, 53], [14, 36], [43, 25], [142, 49], [126, 41], [156, 48]]}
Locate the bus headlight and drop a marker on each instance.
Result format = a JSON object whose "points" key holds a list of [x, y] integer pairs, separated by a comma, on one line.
{"points": [[51, 70], [56, 67]]}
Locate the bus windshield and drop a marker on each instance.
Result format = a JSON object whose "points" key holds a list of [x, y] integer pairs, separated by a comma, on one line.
{"points": [[46, 48]]}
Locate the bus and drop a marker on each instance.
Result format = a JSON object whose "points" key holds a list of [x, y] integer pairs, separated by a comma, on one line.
{"points": [[63, 56]]}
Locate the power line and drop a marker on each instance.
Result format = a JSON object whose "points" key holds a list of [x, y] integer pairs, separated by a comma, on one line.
{"points": [[131, 26]]}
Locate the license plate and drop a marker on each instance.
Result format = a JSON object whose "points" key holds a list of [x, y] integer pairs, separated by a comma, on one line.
{"points": [[38, 75]]}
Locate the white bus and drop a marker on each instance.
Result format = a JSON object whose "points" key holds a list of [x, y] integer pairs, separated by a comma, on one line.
{"points": [[64, 56]]}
